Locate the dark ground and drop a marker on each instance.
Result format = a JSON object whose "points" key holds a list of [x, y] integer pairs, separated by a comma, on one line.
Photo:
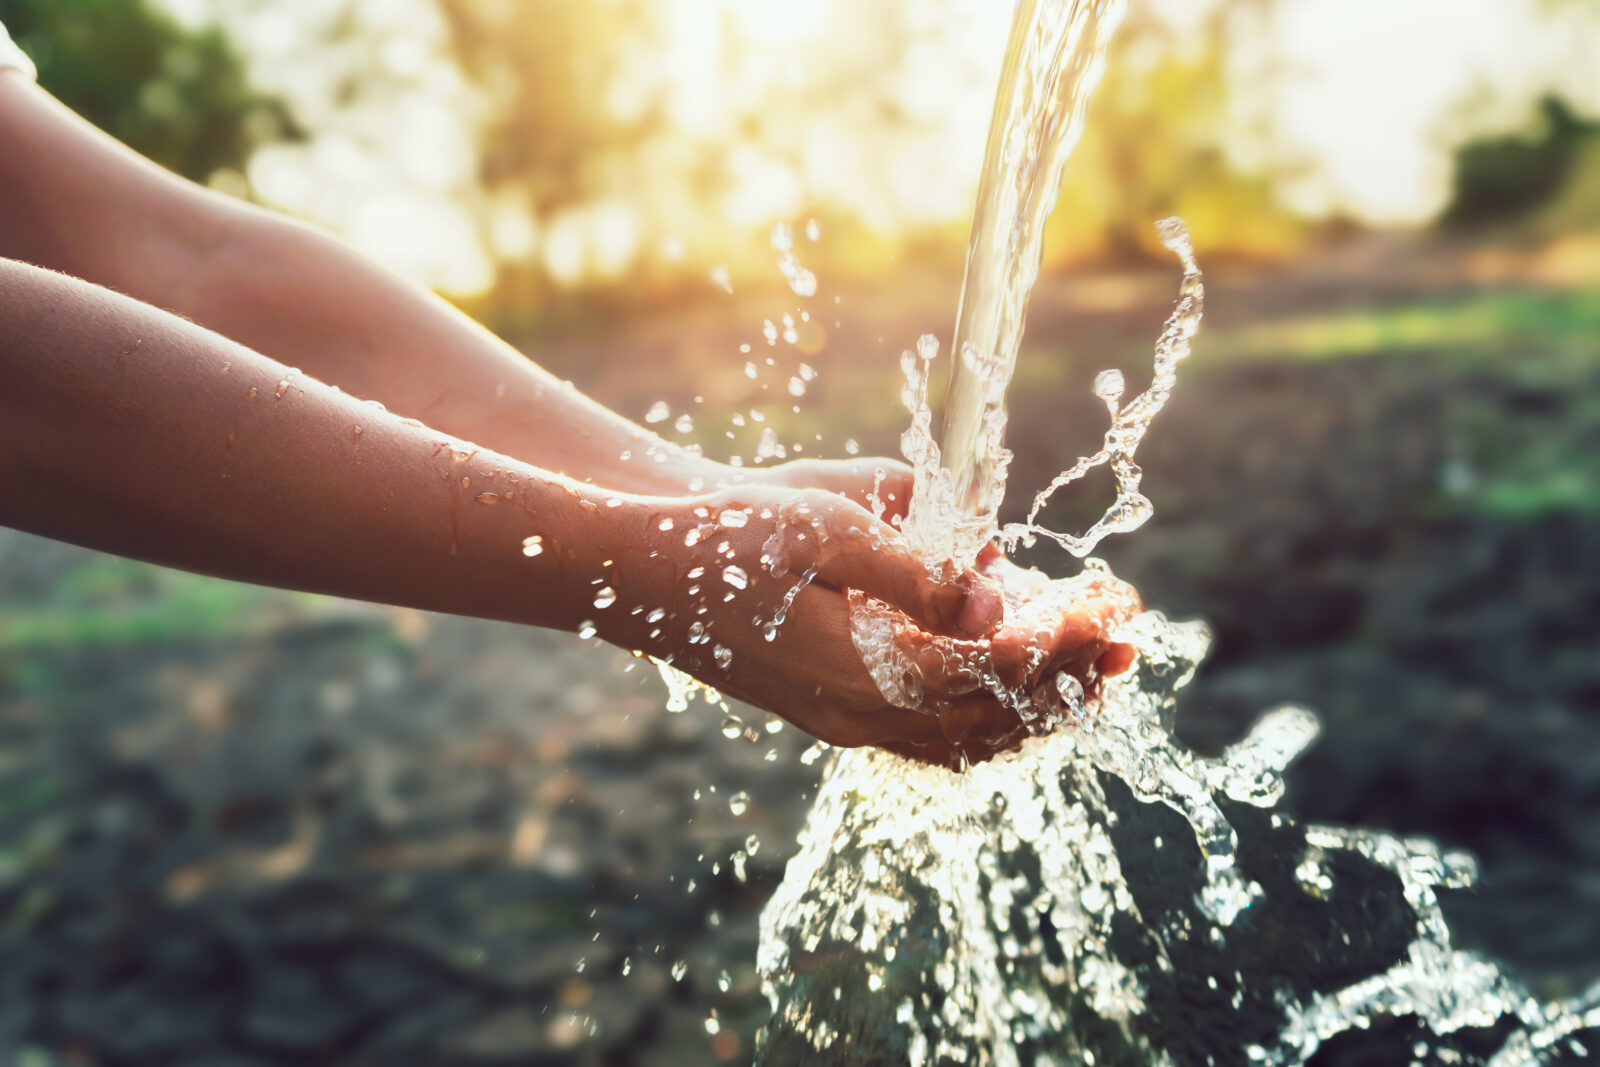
{"points": [[240, 827]]}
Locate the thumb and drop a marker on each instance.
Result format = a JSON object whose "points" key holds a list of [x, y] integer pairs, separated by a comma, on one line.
{"points": [[885, 567]]}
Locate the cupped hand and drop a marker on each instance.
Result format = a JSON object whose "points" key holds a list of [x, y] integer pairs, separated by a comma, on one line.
{"points": [[747, 589], [1051, 628], [713, 584]]}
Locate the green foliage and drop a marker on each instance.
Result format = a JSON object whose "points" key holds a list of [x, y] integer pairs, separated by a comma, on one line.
{"points": [[176, 96], [1503, 178], [111, 601]]}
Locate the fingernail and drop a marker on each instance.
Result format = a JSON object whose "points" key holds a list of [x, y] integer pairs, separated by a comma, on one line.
{"points": [[983, 610]]}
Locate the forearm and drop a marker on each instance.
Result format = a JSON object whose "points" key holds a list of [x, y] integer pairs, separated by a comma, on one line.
{"points": [[296, 294], [131, 431], [74, 200]]}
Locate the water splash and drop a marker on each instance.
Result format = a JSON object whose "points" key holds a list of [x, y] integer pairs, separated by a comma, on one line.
{"points": [[1102, 895], [1130, 421], [1054, 60]]}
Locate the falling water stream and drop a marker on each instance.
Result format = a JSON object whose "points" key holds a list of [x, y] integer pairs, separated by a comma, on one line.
{"points": [[1102, 895]]}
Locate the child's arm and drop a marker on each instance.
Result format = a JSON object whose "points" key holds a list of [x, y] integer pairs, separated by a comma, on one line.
{"points": [[75, 200], [126, 429]]}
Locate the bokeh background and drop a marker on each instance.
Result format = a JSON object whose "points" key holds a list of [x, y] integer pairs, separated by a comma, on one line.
{"points": [[245, 827]]}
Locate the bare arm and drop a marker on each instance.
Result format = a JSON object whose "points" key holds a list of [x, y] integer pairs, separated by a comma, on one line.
{"points": [[73, 199], [126, 429]]}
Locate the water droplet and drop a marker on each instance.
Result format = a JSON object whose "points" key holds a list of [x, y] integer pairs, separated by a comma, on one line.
{"points": [[797, 387], [852, 447], [487, 498], [732, 726], [735, 576], [679, 969], [724, 983], [697, 633], [658, 412], [739, 802], [664, 524], [586, 629], [733, 518], [656, 615], [721, 279], [813, 230], [749, 372], [684, 424], [627, 966], [1108, 385], [752, 844], [769, 330], [606, 597], [782, 237], [722, 655], [1071, 692], [532, 546]]}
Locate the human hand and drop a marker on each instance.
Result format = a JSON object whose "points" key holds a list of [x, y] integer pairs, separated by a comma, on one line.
{"points": [[703, 581], [1053, 631], [866, 480]]}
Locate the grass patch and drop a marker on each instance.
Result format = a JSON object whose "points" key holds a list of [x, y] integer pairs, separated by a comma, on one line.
{"points": [[111, 601], [1499, 323]]}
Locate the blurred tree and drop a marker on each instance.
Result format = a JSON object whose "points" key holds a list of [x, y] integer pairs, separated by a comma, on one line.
{"points": [[1157, 144], [1507, 177], [179, 97]]}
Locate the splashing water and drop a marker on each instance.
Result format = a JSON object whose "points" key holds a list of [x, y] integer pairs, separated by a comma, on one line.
{"points": [[1055, 57], [1102, 895]]}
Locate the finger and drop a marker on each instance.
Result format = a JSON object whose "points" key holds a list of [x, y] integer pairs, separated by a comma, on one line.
{"points": [[979, 726], [884, 567], [866, 481]]}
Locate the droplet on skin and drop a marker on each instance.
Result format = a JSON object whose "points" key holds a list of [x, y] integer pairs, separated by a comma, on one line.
{"points": [[658, 412], [782, 237], [656, 615], [797, 387], [735, 576], [852, 447], [732, 727], [586, 629], [769, 330], [487, 498], [532, 546], [606, 597], [721, 279], [664, 525], [813, 230], [684, 424], [733, 519], [722, 655], [750, 371], [739, 802], [679, 969]]}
